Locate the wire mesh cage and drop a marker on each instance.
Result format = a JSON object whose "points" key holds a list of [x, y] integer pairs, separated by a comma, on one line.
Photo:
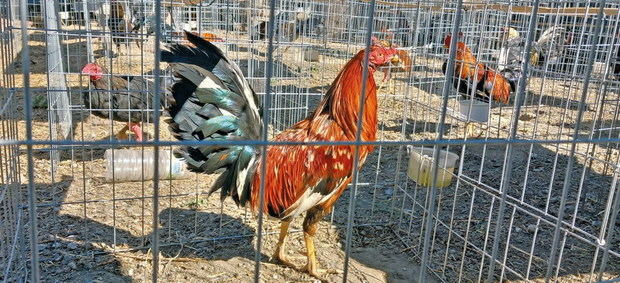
{"points": [[13, 218], [464, 183]]}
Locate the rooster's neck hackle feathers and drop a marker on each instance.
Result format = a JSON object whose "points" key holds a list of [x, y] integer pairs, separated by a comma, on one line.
{"points": [[341, 102]]}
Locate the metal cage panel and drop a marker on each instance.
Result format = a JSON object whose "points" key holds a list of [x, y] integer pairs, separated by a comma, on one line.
{"points": [[533, 195]]}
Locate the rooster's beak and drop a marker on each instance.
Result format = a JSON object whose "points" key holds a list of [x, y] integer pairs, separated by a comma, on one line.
{"points": [[395, 60]]}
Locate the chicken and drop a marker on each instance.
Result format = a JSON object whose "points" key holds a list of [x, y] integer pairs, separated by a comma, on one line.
{"points": [[124, 99], [401, 61], [550, 47], [469, 72], [487, 83], [120, 24], [147, 24], [290, 27], [212, 101]]}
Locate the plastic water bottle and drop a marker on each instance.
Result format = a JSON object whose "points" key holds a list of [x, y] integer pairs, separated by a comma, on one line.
{"points": [[137, 165]]}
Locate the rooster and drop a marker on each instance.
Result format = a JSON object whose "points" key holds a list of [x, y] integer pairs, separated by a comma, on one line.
{"points": [[401, 60], [122, 98], [212, 101], [550, 46], [292, 26], [468, 72], [121, 24]]}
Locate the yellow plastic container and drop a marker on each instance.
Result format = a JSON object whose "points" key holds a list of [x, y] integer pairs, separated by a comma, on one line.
{"points": [[421, 162]]}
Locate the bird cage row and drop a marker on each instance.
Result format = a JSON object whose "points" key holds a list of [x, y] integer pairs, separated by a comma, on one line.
{"points": [[13, 230], [515, 211]]}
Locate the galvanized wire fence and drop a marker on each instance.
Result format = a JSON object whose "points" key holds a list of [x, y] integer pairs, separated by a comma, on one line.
{"points": [[13, 218], [533, 194]]}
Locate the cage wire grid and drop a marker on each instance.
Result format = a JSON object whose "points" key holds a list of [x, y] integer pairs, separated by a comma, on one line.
{"points": [[534, 195]]}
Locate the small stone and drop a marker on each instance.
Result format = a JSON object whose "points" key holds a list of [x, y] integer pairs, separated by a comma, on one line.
{"points": [[72, 265], [56, 245], [275, 276], [72, 246], [531, 228], [518, 229]]}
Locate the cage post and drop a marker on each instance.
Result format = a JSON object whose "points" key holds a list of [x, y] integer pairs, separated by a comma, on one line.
{"points": [[569, 165], [440, 129], [32, 211], [613, 207], [58, 98], [509, 155], [358, 139], [264, 138], [156, 115], [89, 35]]}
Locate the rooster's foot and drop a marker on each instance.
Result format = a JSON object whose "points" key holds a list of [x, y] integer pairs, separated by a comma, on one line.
{"points": [[285, 260], [319, 273], [122, 135]]}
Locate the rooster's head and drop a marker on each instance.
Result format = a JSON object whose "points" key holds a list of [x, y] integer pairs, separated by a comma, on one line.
{"points": [[448, 39], [94, 71], [381, 53]]}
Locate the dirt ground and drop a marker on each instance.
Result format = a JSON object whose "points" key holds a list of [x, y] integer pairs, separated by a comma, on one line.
{"points": [[93, 230]]}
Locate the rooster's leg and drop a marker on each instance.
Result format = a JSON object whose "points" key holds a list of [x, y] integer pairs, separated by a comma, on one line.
{"points": [[313, 216], [137, 130], [280, 253], [122, 134], [470, 130], [391, 86]]}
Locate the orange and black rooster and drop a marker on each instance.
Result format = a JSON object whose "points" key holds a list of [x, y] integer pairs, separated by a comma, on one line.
{"points": [[212, 101], [469, 72]]}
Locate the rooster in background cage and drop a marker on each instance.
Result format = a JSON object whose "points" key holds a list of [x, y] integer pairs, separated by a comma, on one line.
{"points": [[471, 76], [468, 72], [401, 61], [146, 23], [120, 22], [212, 101], [290, 27], [124, 99], [550, 47]]}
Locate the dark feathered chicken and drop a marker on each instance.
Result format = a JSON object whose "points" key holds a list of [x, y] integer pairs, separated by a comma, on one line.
{"points": [[291, 29], [124, 99], [120, 24]]}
